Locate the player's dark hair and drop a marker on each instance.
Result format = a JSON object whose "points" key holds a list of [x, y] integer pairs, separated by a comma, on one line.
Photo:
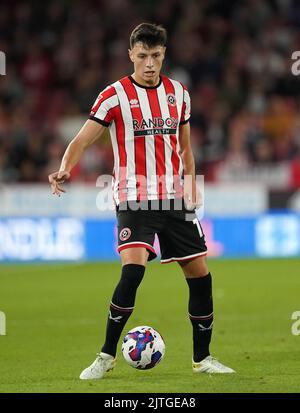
{"points": [[149, 34]]}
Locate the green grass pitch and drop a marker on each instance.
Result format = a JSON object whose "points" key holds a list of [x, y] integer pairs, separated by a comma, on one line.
{"points": [[56, 315]]}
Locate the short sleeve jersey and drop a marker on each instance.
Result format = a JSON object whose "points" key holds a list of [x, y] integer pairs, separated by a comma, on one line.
{"points": [[144, 128]]}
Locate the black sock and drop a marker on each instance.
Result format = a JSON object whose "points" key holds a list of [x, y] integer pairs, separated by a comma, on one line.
{"points": [[122, 305], [201, 314]]}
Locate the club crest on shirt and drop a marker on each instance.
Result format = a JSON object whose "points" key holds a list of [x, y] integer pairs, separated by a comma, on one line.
{"points": [[125, 234], [171, 99]]}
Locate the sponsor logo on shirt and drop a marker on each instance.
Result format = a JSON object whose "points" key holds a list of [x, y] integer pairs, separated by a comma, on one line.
{"points": [[155, 126]]}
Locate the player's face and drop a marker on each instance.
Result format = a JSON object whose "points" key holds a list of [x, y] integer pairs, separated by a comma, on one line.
{"points": [[147, 63]]}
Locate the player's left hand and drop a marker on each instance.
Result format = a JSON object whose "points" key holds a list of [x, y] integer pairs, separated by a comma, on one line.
{"points": [[56, 179]]}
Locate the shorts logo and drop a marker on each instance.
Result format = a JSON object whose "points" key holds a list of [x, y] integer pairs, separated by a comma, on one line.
{"points": [[125, 234], [171, 99]]}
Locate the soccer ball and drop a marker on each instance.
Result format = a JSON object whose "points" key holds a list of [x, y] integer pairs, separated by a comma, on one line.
{"points": [[143, 347]]}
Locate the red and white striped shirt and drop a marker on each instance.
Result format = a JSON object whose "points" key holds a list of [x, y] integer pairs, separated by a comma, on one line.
{"points": [[144, 128]]}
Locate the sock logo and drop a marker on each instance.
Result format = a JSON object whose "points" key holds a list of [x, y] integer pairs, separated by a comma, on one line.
{"points": [[203, 328], [116, 319], [125, 234]]}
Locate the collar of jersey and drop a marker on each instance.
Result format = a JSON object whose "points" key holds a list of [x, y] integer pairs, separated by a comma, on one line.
{"points": [[146, 87]]}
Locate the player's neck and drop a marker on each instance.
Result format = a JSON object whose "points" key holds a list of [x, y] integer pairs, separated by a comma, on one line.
{"points": [[142, 82]]}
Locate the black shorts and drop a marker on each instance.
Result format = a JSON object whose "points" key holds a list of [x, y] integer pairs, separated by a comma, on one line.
{"points": [[179, 232]]}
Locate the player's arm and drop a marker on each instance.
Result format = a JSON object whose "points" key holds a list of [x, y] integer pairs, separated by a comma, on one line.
{"points": [[191, 192], [88, 134]]}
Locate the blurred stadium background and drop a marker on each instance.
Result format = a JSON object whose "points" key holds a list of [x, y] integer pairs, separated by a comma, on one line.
{"points": [[235, 57]]}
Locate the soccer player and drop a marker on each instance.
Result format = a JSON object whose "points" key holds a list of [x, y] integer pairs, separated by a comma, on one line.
{"points": [[154, 190]]}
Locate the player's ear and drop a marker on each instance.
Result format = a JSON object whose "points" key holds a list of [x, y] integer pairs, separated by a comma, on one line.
{"points": [[130, 54], [163, 51]]}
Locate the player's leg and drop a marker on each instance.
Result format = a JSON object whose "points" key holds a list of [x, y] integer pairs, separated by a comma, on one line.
{"points": [[122, 303], [200, 310], [183, 241], [137, 255], [121, 307], [200, 305], [135, 241], [136, 230]]}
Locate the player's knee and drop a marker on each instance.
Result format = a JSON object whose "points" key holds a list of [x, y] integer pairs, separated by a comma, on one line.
{"points": [[137, 255], [201, 270], [195, 268]]}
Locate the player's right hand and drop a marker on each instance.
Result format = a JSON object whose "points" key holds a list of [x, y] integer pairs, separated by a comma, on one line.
{"points": [[56, 179]]}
